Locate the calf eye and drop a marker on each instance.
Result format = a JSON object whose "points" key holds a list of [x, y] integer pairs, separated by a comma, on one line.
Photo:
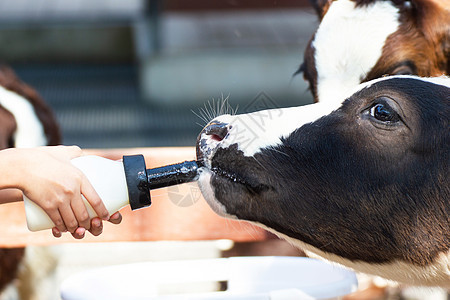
{"points": [[384, 113], [406, 67], [403, 71]]}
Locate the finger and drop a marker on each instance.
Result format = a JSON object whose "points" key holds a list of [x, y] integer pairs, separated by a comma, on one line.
{"points": [[57, 219], [68, 217], [79, 233], [56, 233], [94, 200], [116, 218], [81, 213], [96, 226]]}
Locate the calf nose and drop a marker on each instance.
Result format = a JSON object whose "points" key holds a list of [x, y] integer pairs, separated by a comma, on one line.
{"points": [[216, 130], [210, 138]]}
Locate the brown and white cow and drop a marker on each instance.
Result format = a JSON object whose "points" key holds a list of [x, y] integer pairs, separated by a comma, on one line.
{"points": [[361, 40], [25, 121]]}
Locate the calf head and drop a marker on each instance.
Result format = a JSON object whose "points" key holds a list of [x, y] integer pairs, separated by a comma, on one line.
{"points": [[360, 40], [25, 119], [363, 182]]}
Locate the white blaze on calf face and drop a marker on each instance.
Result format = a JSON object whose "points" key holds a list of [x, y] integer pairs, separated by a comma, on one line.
{"points": [[29, 132], [254, 131], [349, 43]]}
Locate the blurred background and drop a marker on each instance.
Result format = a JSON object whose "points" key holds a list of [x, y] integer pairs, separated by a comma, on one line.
{"points": [[137, 73]]}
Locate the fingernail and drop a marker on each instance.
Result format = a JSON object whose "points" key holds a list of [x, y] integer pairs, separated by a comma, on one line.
{"points": [[56, 232], [97, 222]]}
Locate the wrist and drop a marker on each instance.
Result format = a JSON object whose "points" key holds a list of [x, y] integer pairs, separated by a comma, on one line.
{"points": [[12, 163]]}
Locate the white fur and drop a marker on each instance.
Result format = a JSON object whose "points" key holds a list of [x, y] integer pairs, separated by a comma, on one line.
{"points": [[29, 132], [436, 274], [264, 129], [348, 43], [207, 192], [442, 80]]}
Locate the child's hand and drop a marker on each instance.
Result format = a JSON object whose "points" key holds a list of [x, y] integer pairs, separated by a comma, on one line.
{"points": [[46, 176]]}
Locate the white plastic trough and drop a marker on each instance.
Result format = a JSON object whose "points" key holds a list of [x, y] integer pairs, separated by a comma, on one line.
{"points": [[250, 278]]}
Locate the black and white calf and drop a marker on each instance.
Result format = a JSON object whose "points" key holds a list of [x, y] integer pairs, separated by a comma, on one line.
{"points": [[362, 182]]}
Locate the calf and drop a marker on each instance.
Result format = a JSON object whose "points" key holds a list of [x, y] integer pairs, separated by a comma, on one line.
{"points": [[360, 40], [362, 181], [25, 121]]}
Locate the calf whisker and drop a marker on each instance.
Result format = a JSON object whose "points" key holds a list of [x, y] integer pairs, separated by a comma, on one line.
{"points": [[212, 109]]}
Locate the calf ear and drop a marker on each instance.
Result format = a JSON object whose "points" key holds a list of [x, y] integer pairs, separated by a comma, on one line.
{"points": [[321, 7]]}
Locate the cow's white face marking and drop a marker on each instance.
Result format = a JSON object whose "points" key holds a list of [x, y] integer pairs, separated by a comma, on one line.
{"points": [[262, 129], [348, 43], [29, 132]]}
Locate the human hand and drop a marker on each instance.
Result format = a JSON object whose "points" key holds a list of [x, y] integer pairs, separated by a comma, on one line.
{"points": [[46, 176]]}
